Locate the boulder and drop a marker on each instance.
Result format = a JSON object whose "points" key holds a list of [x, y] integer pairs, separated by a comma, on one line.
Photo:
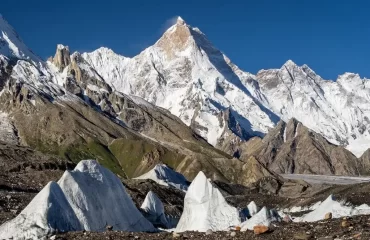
{"points": [[328, 216], [259, 229]]}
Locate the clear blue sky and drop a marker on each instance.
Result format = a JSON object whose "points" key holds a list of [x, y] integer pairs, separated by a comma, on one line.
{"points": [[332, 37]]}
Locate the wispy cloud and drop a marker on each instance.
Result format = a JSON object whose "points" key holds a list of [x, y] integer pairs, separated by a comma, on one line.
{"points": [[140, 46], [168, 23]]}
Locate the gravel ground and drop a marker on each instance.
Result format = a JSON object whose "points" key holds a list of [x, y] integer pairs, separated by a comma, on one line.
{"points": [[356, 228]]}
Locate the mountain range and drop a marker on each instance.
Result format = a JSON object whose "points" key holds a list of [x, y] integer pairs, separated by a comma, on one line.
{"points": [[184, 73], [181, 102]]}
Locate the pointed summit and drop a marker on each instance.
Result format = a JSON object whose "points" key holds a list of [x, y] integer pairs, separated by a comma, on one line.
{"points": [[290, 63], [62, 57], [180, 21]]}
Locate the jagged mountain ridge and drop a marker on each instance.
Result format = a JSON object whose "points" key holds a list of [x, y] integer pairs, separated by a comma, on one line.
{"points": [[65, 108], [184, 73], [71, 80]]}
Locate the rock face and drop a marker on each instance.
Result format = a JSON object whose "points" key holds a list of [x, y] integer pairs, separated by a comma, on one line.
{"points": [[365, 160], [64, 107], [253, 171], [62, 57], [206, 209], [293, 148]]}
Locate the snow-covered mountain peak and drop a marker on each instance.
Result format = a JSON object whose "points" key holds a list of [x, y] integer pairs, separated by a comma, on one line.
{"points": [[61, 47], [290, 66], [184, 73], [182, 37], [353, 82], [348, 76], [175, 39], [12, 46], [309, 71], [104, 51], [290, 63], [180, 21]]}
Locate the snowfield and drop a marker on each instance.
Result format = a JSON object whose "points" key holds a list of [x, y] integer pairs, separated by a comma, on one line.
{"points": [[338, 209]]}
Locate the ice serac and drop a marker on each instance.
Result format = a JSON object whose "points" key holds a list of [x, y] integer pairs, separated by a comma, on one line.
{"points": [[154, 209], [205, 208], [252, 208], [184, 73], [47, 213], [99, 199], [263, 217], [88, 198], [152, 204], [164, 175]]}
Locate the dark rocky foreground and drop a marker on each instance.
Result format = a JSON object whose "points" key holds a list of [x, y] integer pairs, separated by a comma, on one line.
{"points": [[352, 228], [25, 172]]}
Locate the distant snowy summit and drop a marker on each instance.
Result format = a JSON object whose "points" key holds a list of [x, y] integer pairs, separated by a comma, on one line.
{"points": [[165, 176]]}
